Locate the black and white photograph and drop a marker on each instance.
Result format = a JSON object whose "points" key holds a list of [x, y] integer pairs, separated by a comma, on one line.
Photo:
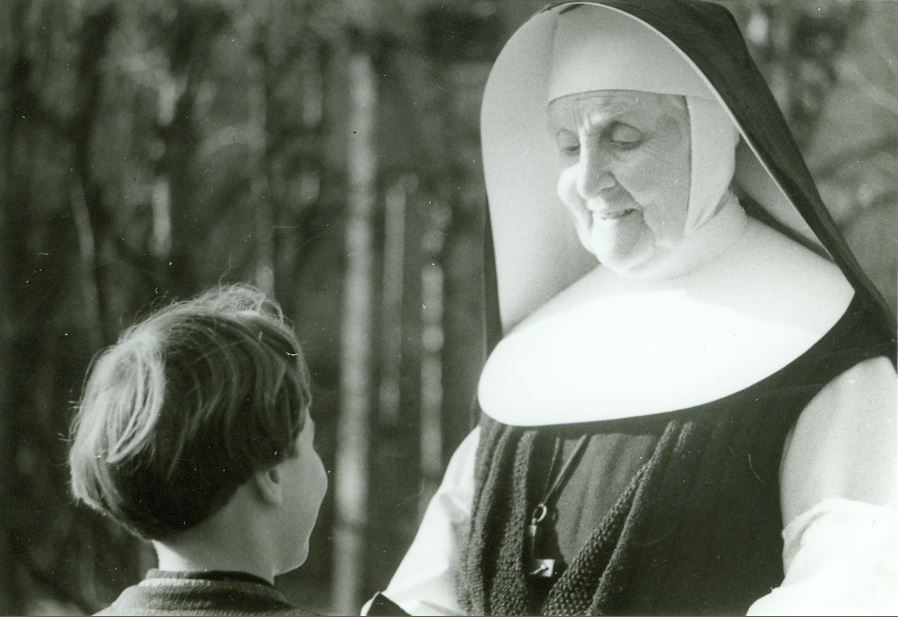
{"points": [[448, 307]]}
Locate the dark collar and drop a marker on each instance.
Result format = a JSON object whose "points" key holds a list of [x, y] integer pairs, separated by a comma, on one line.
{"points": [[208, 575]]}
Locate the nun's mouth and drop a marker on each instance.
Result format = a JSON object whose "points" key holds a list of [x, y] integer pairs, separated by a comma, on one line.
{"points": [[616, 214]]}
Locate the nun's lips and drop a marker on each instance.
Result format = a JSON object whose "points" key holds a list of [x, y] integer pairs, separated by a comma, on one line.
{"points": [[612, 215]]}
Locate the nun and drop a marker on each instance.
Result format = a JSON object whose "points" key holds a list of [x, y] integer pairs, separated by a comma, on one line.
{"points": [[689, 402]]}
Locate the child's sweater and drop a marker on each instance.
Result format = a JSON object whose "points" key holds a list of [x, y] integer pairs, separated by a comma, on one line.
{"points": [[201, 593]]}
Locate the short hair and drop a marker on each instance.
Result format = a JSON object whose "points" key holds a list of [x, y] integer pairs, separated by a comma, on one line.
{"points": [[185, 407]]}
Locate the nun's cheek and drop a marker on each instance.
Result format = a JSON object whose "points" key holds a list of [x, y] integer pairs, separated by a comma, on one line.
{"points": [[643, 174], [662, 198], [666, 223], [573, 202]]}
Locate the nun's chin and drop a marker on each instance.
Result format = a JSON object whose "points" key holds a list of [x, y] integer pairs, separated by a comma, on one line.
{"points": [[624, 244]]}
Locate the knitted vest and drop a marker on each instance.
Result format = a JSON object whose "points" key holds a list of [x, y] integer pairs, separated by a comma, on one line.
{"points": [[696, 526]]}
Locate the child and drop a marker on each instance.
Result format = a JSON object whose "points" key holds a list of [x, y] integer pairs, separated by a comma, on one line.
{"points": [[193, 432]]}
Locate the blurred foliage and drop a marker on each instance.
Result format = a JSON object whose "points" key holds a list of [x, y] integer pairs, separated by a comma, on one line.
{"points": [[153, 149]]}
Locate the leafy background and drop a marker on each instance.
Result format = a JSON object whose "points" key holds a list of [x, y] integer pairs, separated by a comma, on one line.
{"points": [[326, 151]]}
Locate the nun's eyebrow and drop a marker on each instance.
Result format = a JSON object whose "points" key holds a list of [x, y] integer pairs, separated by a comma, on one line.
{"points": [[569, 113], [565, 133], [592, 119], [556, 114]]}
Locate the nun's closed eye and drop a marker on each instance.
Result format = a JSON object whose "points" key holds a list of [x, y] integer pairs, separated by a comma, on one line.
{"points": [[620, 136], [568, 142], [623, 136]]}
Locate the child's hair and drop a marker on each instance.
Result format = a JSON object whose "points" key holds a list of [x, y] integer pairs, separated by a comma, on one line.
{"points": [[185, 407]]}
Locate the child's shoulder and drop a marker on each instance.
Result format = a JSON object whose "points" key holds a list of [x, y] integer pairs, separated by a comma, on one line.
{"points": [[201, 593]]}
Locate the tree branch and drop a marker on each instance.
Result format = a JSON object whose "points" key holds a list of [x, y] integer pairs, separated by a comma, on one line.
{"points": [[849, 155]]}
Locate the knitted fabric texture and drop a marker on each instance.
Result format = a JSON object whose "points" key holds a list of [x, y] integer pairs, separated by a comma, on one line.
{"points": [[201, 593], [596, 578], [697, 530]]}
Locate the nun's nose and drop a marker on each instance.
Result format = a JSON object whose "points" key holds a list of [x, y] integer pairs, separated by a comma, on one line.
{"points": [[594, 174]]}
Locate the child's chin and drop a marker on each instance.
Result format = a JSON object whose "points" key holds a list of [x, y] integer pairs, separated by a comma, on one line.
{"points": [[301, 557]]}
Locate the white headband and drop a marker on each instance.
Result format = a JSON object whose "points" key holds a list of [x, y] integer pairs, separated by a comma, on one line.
{"points": [[598, 50]]}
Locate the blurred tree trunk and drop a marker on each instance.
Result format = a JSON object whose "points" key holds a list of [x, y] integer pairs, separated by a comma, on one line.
{"points": [[432, 338], [85, 193], [392, 293], [351, 480], [191, 35], [296, 216], [262, 200], [13, 218]]}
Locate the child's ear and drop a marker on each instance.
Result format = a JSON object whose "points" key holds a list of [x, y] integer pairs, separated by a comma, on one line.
{"points": [[268, 485]]}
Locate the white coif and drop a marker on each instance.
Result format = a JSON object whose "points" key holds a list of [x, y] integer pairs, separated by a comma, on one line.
{"points": [[610, 347]]}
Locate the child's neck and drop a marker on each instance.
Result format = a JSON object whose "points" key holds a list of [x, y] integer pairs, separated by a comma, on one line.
{"points": [[223, 542], [208, 559]]}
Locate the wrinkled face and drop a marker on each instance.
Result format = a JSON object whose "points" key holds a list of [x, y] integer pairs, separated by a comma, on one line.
{"points": [[305, 484], [624, 172]]}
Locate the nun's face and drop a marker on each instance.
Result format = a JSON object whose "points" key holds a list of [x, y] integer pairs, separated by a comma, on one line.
{"points": [[624, 172]]}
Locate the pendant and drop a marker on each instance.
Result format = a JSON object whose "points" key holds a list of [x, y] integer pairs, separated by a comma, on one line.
{"points": [[539, 568]]}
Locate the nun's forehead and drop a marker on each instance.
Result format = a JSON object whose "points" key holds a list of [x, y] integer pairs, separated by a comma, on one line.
{"points": [[582, 106]]}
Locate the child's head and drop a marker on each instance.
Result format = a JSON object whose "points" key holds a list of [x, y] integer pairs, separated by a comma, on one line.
{"points": [[189, 405]]}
